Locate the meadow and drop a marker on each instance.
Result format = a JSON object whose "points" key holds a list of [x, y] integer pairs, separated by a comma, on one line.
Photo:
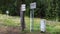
{"points": [[52, 27]]}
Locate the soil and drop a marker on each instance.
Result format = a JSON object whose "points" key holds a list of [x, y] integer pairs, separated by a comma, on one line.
{"points": [[16, 30]]}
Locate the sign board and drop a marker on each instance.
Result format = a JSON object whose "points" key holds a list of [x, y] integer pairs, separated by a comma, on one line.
{"points": [[23, 7], [33, 5]]}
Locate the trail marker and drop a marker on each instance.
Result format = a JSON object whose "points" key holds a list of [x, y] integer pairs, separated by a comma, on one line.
{"points": [[43, 25], [32, 7], [23, 8]]}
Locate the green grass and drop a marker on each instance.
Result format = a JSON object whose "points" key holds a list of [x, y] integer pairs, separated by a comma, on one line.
{"points": [[51, 26], [9, 21]]}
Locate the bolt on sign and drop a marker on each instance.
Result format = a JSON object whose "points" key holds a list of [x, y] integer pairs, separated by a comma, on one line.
{"points": [[33, 5], [23, 7]]}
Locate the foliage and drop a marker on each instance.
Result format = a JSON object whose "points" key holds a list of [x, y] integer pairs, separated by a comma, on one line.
{"points": [[52, 27], [48, 9]]}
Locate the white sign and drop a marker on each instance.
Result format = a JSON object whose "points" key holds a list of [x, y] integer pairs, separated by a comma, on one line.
{"points": [[7, 12], [43, 25], [33, 5], [23, 7]]}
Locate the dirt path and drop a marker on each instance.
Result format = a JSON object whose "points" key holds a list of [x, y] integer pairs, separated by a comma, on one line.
{"points": [[9, 30], [15, 30]]}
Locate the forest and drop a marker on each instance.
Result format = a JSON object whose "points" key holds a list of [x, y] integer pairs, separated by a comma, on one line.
{"points": [[47, 9]]}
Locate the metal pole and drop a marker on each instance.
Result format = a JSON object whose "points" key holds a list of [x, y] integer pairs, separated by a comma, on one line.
{"points": [[31, 20], [22, 20]]}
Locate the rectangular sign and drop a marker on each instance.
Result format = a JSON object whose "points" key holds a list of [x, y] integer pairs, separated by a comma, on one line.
{"points": [[23, 7], [33, 5]]}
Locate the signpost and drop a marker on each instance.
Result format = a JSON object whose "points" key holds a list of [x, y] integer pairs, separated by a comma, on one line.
{"points": [[32, 7], [23, 8]]}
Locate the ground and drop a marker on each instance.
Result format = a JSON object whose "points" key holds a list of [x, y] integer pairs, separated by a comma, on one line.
{"points": [[12, 25], [16, 30], [9, 30]]}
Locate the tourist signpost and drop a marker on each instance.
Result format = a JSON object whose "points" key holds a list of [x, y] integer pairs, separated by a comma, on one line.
{"points": [[23, 8], [32, 7]]}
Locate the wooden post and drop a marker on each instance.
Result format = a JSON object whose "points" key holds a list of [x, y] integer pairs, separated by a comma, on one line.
{"points": [[22, 16], [22, 20]]}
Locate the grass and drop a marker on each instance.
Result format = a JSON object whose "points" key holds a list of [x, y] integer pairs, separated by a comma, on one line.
{"points": [[52, 27], [9, 21]]}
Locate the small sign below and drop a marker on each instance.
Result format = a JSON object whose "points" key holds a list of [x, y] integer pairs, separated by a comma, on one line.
{"points": [[33, 5], [23, 7]]}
